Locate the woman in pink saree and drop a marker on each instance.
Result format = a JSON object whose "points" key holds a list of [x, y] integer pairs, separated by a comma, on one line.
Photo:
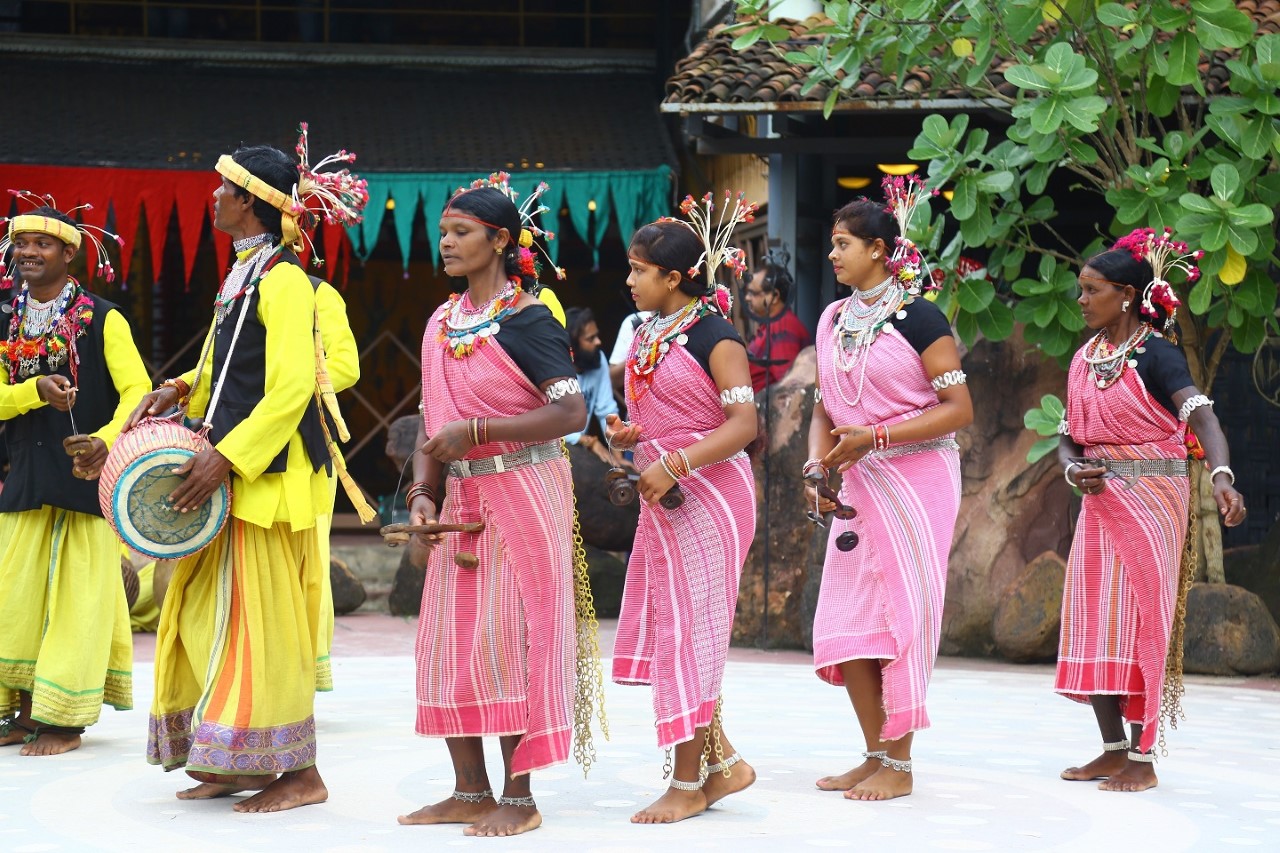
{"points": [[1130, 400], [496, 639], [692, 412], [890, 397]]}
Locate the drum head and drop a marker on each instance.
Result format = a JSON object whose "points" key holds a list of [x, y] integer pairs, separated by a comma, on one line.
{"points": [[146, 522]]}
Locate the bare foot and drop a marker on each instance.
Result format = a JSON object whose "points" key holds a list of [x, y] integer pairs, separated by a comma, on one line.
{"points": [[14, 731], [1136, 776], [845, 781], [884, 784], [52, 743], [1106, 764], [741, 776], [504, 821], [224, 786], [672, 806], [449, 811], [293, 789]]}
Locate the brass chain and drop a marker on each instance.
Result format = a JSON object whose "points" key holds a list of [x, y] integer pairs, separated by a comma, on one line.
{"points": [[1171, 696], [711, 745], [667, 766], [588, 698]]}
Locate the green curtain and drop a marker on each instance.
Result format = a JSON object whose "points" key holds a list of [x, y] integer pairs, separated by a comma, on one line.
{"points": [[629, 197]]}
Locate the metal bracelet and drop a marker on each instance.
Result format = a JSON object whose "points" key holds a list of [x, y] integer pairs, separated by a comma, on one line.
{"points": [[895, 764], [737, 394], [561, 387], [1223, 469], [1063, 429], [686, 786], [723, 766], [472, 796], [1117, 746], [1191, 404], [1066, 473], [1144, 757], [522, 802], [817, 394], [951, 377]]}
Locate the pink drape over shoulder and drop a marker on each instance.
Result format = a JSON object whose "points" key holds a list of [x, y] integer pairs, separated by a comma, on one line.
{"points": [[496, 644], [883, 600]]}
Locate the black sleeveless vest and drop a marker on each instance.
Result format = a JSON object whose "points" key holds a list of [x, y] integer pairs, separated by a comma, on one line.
{"points": [[246, 379], [39, 469]]}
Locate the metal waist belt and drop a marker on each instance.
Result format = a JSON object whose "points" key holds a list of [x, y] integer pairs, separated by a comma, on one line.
{"points": [[916, 447], [530, 455], [1131, 469]]}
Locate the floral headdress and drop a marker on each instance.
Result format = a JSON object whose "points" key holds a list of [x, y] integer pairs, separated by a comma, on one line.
{"points": [[337, 197], [715, 232], [1165, 255], [27, 223], [530, 262], [904, 196]]}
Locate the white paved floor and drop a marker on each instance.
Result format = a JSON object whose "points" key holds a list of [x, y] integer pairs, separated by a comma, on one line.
{"points": [[986, 777]]}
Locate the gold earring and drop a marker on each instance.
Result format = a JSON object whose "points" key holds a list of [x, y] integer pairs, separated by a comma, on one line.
{"points": [[497, 250]]}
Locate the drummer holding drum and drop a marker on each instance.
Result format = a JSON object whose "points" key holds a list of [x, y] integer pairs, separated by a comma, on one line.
{"points": [[69, 375]]}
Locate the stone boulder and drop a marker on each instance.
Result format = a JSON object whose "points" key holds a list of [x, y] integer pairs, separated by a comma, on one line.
{"points": [[607, 573], [348, 591], [405, 598], [1229, 632], [604, 526], [1257, 569], [402, 438], [1029, 614]]}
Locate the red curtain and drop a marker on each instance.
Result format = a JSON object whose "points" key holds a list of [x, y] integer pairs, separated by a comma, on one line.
{"points": [[153, 193]]}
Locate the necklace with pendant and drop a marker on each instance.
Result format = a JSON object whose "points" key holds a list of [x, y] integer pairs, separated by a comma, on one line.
{"points": [[654, 339], [466, 328], [1107, 363], [859, 322]]}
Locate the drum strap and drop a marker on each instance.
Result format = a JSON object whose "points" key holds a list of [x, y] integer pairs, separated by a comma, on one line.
{"points": [[327, 400]]}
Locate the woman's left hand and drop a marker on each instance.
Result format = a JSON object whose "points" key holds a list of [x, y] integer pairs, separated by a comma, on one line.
{"points": [[450, 443], [1230, 504], [654, 483], [853, 443]]}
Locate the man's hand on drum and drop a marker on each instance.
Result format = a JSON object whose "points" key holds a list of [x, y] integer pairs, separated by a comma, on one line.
{"points": [[57, 391], [153, 405], [204, 472], [89, 454], [451, 442]]}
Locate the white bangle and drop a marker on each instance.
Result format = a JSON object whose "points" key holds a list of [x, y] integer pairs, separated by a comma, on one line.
{"points": [[951, 377], [1063, 429], [737, 394], [1067, 473], [1191, 404], [558, 389], [817, 394], [1223, 469]]}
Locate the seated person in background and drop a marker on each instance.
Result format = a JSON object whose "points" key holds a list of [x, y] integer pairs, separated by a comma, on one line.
{"points": [[622, 346], [593, 376], [780, 335]]}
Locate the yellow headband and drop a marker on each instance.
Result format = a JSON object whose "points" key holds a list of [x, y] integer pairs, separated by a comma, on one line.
{"points": [[34, 223], [289, 209]]}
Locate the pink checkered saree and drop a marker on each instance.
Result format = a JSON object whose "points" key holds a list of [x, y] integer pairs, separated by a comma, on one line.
{"points": [[496, 644], [682, 580], [883, 600], [1122, 575]]}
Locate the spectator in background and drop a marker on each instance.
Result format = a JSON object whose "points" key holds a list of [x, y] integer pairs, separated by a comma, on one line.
{"points": [[622, 345], [593, 376], [780, 335]]}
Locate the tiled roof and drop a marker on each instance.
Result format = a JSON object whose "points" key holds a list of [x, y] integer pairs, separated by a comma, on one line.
{"points": [[716, 74], [157, 114]]}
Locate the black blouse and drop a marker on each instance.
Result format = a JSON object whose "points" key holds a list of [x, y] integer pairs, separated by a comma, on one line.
{"points": [[1163, 368], [705, 334], [538, 344]]}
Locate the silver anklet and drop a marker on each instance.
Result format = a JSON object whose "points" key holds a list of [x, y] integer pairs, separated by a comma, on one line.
{"points": [[877, 755], [895, 764], [723, 766], [1117, 746], [1144, 757], [685, 786], [523, 802], [472, 796]]}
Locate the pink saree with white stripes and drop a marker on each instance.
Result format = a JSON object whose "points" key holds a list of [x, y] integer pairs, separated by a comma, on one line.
{"points": [[682, 580], [496, 644], [883, 600], [1117, 607]]}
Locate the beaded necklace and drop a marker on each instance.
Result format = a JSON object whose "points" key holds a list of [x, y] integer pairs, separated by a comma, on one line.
{"points": [[859, 322], [245, 271], [465, 328], [46, 330], [1106, 362], [654, 338]]}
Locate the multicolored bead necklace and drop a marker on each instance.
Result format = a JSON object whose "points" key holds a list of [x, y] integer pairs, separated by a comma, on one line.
{"points": [[46, 332], [1107, 362], [654, 338], [461, 332]]}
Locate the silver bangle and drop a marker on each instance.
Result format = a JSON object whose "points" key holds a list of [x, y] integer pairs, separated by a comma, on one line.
{"points": [[1144, 757], [686, 786], [1066, 473], [951, 377], [1063, 429], [560, 388], [817, 394], [1191, 404], [1223, 469], [737, 394], [662, 460]]}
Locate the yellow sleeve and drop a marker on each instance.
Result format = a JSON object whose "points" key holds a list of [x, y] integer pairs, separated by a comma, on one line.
{"points": [[548, 297], [128, 373], [286, 307], [18, 399], [341, 355]]}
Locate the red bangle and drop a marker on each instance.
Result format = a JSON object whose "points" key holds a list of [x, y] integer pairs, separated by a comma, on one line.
{"points": [[880, 437]]}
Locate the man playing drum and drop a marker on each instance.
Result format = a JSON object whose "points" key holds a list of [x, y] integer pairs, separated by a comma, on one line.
{"points": [[69, 374], [243, 641]]}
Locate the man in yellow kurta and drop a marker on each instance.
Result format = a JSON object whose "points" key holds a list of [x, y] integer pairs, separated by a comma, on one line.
{"points": [[240, 650], [67, 359]]}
